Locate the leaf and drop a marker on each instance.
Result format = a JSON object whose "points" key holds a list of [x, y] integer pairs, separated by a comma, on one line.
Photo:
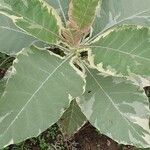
{"points": [[114, 12], [123, 49], [72, 119], [117, 109], [12, 39], [35, 17], [81, 13], [36, 94], [61, 7]]}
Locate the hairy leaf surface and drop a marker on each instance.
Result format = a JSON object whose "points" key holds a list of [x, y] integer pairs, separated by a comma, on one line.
{"points": [[12, 39], [36, 95], [114, 12], [72, 119], [124, 49], [35, 17], [117, 109]]}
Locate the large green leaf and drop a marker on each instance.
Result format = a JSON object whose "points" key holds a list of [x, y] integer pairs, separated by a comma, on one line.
{"points": [[72, 119], [61, 7], [12, 39], [114, 12], [35, 17], [36, 94], [117, 109], [123, 50]]}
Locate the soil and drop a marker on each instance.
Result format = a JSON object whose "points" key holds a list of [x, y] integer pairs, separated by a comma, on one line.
{"points": [[87, 138], [5, 62]]}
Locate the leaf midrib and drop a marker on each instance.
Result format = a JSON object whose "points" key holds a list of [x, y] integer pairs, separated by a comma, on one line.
{"points": [[117, 50], [63, 14], [11, 29]]}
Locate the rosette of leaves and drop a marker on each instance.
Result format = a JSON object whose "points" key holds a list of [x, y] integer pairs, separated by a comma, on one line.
{"points": [[76, 59]]}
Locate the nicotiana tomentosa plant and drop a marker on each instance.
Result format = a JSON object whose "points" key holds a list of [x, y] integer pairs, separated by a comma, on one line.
{"points": [[91, 55]]}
